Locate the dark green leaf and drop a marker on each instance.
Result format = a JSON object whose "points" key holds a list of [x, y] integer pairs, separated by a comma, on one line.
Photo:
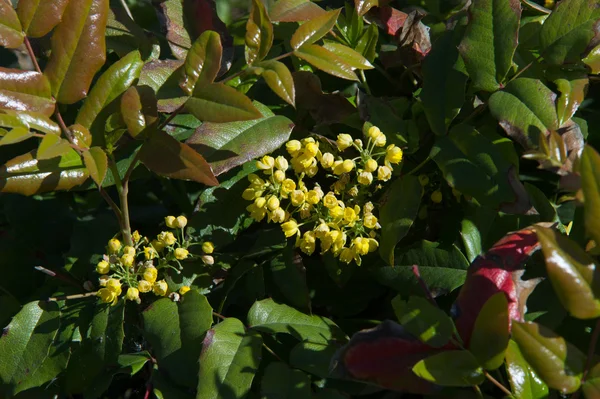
{"points": [[558, 363], [425, 321], [524, 381], [312, 358], [229, 360], [96, 163], [294, 11], [203, 61], [52, 146], [216, 102], [491, 332], [398, 213], [367, 44], [282, 382], [39, 17], [11, 33], [175, 331], [163, 77], [259, 33], [78, 49], [289, 275], [455, 368], [589, 167], [314, 29], [280, 80], [326, 61], [25, 91]]}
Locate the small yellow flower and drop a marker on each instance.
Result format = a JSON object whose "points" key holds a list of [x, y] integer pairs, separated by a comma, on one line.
{"points": [[184, 289], [144, 286], [114, 285], [181, 253], [208, 260], [312, 170], [158, 245], [308, 242], [277, 216], [305, 210], [330, 239], [103, 267], [353, 191], [287, 187], [260, 202], [329, 200], [346, 255], [361, 245], [293, 147], [208, 247], [297, 197], [374, 132], [255, 180], [351, 215], [273, 203], [133, 294], [114, 246], [127, 260], [266, 163], [344, 141], [290, 228], [281, 163], [337, 212], [327, 160], [368, 208], [150, 253], [181, 222], [321, 230], [365, 178], [380, 140], [311, 149], [423, 180], [136, 237], [370, 221], [337, 167], [257, 214], [384, 173], [167, 238], [358, 143], [106, 295], [160, 288], [278, 176], [127, 250], [348, 165], [150, 274], [436, 196], [371, 165], [249, 194], [312, 197], [170, 221], [393, 154]]}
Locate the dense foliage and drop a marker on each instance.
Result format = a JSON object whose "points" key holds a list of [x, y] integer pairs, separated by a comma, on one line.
{"points": [[295, 199]]}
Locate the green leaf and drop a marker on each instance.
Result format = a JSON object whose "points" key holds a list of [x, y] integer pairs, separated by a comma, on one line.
{"points": [[280, 80], [96, 163], [314, 29], [442, 269], [398, 213], [271, 317], [175, 332], [25, 91], [203, 61], [11, 33], [444, 83], [572, 87], [589, 168], [16, 135], [425, 321], [219, 103], [229, 361], [367, 44], [455, 368], [39, 17], [363, 6], [78, 49], [26, 342], [227, 145], [259, 33], [525, 109], [163, 77], [282, 382], [491, 332], [351, 57], [568, 31], [114, 82], [572, 272], [52, 146], [27, 175], [591, 386], [166, 156], [471, 238], [592, 60], [490, 41], [326, 61], [289, 276], [558, 363], [31, 120], [294, 11], [138, 109], [312, 357], [525, 383]]}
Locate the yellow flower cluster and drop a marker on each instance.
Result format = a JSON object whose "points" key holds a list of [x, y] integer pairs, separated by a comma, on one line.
{"points": [[137, 267], [342, 219]]}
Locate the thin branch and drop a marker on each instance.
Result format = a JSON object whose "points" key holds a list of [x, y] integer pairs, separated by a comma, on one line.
{"points": [[110, 202], [363, 79], [590, 355], [58, 275], [131, 167], [272, 353], [127, 10], [32, 55], [170, 118], [496, 383], [75, 296], [418, 167], [220, 316]]}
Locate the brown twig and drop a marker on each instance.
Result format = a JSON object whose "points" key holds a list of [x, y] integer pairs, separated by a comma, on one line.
{"points": [[496, 383], [58, 275], [75, 296], [32, 55], [170, 118]]}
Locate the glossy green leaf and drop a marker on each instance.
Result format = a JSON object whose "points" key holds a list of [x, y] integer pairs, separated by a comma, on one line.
{"points": [[114, 82], [25, 91], [591, 386], [280, 80], [444, 83], [96, 163], [31, 120], [525, 383], [227, 145], [314, 29], [259, 33], [166, 156], [81, 136], [78, 49], [568, 30], [490, 41], [471, 238], [138, 109], [289, 275], [558, 363], [572, 272], [589, 167], [271, 317], [27, 175], [455, 368], [219, 103], [572, 87], [26, 342], [490, 336], [367, 44], [525, 109], [175, 331], [39, 17], [163, 77], [16, 135], [203, 61], [592, 60], [52, 146], [363, 6], [229, 361], [326, 61], [421, 318], [351, 57], [282, 382], [398, 213], [294, 11], [11, 32]]}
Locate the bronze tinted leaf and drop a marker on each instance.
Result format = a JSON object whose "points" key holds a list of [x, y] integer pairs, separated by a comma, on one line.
{"points": [[25, 91], [11, 35], [163, 77], [326, 61], [216, 102], [78, 49], [81, 136], [39, 17], [138, 109], [203, 61], [259, 33], [96, 163]]}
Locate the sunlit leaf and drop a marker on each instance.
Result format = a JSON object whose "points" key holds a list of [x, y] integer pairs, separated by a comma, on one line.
{"points": [[455, 368], [294, 11], [314, 29], [367, 44], [326, 61], [280, 80], [424, 320], [96, 163], [32, 120], [592, 60], [217, 102], [52, 146], [81, 136], [589, 167], [572, 88], [259, 33], [16, 135], [11, 32], [351, 57], [39, 17], [203, 61], [25, 91], [524, 381]]}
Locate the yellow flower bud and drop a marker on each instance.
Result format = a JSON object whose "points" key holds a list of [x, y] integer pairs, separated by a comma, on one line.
{"points": [[249, 194], [136, 237], [436, 196], [287, 187], [358, 143], [373, 132], [277, 215], [273, 203], [167, 238], [380, 140], [384, 173], [293, 147], [184, 289], [393, 154], [208, 260], [150, 253], [158, 245], [102, 280], [330, 239], [127, 250], [370, 221], [170, 222], [347, 255], [371, 165], [423, 180], [311, 149], [103, 267], [260, 202], [343, 141], [133, 294], [368, 208], [321, 230], [181, 253], [278, 176], [181, 222], [330, 200], [373, 245], [208, 247], [114, 285], [127, 260], [350, 215], [106, 295], [361, 245], [281, 163], [312, 197], [297, 197], [365, 178], [160, 288], [327, 160], [150, 274], [353, 192], [144, 286], [267, 162], [114, 246], [348, 165], [312, 170], [290, 228], [338, 167], [305, 210], [337, 212]]}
